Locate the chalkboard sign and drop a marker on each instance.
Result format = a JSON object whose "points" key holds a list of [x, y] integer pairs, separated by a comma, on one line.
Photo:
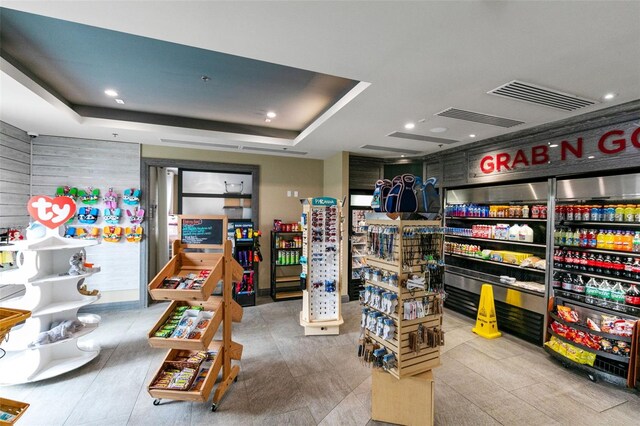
{"points": [[199, 231]]}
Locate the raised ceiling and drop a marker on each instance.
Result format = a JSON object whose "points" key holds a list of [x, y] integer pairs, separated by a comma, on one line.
{"points": [[421, 58]]}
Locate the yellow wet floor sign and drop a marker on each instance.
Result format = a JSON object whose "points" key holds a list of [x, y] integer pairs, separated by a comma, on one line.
{"points": [[486, 322]]}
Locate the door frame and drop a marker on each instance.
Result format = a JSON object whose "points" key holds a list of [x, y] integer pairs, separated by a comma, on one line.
{"points": [[201, 166]]}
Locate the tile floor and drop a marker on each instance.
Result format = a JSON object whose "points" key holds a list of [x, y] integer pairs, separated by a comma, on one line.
{"points": [[289, 379]]}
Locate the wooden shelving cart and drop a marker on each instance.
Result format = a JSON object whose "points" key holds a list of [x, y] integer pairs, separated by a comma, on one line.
{"points": [[223, 311], [406, 245], [8, 319]]}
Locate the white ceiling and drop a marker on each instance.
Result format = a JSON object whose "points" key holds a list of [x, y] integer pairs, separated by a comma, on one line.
{"points": [[420, 58]]}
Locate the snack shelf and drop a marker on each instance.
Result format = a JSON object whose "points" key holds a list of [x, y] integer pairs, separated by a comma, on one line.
{"points": [[495, 219], [593, 373], [606, 224], [602, 251], [477, 259], [599, 276], [519, 243], [582, 327], [588, 349], [626, 311]]}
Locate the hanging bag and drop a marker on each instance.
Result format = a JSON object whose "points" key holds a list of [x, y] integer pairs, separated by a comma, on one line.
{"points": [[383, 186], [401, 197], [391, 204]]}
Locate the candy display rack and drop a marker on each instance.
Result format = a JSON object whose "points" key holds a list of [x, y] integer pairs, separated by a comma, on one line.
{"points": [[285, 271], [321, 309], [397, 251], [224, 310], [52, 296]]}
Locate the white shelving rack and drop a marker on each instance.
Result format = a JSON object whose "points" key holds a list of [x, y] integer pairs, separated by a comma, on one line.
{"points": [[50, 296]]}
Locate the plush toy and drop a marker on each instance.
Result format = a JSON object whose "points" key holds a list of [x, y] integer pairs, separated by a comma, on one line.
{"points": [[84, 291], [111, 234], [35, 231], [70, 232], [137, 216], [88, 215], [77, 264], [66, 191], [112, 216], [110, 199], [131, 196], [14, 235], [90, 196], [58, 331], [133, 235]]}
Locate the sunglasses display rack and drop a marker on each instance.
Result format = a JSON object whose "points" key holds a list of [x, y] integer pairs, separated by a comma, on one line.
{"points": [[321, 222], [52, 295], [216, 311]]}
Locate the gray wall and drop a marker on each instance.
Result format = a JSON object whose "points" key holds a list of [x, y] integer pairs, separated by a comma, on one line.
{"points": [[80, 163], [15, 168]]}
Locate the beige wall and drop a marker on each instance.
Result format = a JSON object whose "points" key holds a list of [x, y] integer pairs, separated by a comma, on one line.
{"points": [[336, 185], [277, 176]]}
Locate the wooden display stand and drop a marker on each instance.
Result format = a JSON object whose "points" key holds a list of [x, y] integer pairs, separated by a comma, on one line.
{"points": [[8, 319], [409, 363], [225, 311], [408, 401], [321, 308]]}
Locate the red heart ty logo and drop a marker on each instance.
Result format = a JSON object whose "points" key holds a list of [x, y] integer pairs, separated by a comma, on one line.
{"points": [[51, 212]]}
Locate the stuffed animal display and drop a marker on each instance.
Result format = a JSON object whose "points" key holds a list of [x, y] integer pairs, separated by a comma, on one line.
{"points": [[133, 235], [112, 234], [67, 191], [90, 196], [110, 199], [135, 217], [58, 331], [88, 215], [131, 196], [112, 216]]}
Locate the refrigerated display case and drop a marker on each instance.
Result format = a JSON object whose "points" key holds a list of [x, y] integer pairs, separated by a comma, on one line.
{"points": [[497, 235], [359, 205], [596, 274]]}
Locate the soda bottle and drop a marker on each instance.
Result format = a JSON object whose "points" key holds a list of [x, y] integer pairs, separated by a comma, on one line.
{"points": [[636, 269], [584, 261], [617, 293], [632, 297], [607, 265], [635, 247], [591, 263], [605, 292], [567, 283], [617, 266], [592, 291], [592, 238], [599, 264], [628, 268], [578, 285], [557, 280]]}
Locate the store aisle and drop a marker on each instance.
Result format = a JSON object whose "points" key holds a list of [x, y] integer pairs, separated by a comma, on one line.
{"points": [[287, 379]]}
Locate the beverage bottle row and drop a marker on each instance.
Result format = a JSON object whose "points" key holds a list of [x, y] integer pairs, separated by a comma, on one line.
{"points": [[597, 263], [295, 242], [496, 211], [618, 240], [598, 292], [288, 257], [599, 213]]}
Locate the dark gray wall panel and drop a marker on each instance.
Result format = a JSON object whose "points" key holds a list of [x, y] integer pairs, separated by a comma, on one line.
{"points": [[15, 149], [364, 172]]}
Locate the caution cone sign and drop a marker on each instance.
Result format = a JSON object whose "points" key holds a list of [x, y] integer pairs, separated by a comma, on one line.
{"points": [[486, 323]]}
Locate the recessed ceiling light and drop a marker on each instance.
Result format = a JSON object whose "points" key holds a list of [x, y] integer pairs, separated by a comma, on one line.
{"points": [[409, 126], [591, 157], [267, 120], [553, 145], [438, 129], [609, 96], [472, 135], [271, 114], [119, 101], [111, 92]]}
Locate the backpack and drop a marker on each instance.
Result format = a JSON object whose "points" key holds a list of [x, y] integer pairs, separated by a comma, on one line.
{"points": [[378, 203], [402, 198]]}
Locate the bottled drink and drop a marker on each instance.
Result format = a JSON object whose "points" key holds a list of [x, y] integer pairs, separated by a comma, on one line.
{"points": [[586, 213], [600, 239], [568, 259], [577, 213], [569, 213], [556, 236], [635, 270], [578, 285], [583, 240], [596, 215], [567, 283], [629, 212], [635, 246], [617, 293], [632, 297], [591, 263], [617, 241], [605, 291], [607, 265], [592, 238], [592, 291], [563, 237], [599, 264], [619, 213], [557, 280], [609, 240], [525, 212], [617, 267], [628, 268], [627, 241]]}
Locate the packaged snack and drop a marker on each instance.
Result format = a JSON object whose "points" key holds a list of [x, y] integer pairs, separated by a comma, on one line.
{"points": [[621, 327], [567, 314], [195, 335], [529, 262], [605, 345], [607, 323], [180, 333], [202, 324], [592, 325]]}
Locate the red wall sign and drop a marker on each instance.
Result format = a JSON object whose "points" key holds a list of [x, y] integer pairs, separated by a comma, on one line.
{"points": [[51, 212], [612, 142]]}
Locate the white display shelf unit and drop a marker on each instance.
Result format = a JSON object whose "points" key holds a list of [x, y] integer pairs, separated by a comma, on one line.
{"points": [[51, 296]]}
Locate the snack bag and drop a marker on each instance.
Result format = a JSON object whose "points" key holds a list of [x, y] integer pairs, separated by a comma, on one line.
{"points": [[567, 314]]}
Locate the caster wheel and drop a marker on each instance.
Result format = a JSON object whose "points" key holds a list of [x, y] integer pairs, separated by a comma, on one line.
{"points": [[156, 402], [214, 407], [593, 378]]}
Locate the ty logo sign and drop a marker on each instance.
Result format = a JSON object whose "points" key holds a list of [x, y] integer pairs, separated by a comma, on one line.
{"points": [[51, 212]]}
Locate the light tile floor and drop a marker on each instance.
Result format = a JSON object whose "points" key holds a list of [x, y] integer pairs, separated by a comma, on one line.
{"points": [[289, 379]]}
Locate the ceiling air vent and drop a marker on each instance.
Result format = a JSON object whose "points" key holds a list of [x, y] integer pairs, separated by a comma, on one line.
{"points": [[202, 144], [477, 117], [277, 151], [534, 94], [390, 149], [423, 138]]}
